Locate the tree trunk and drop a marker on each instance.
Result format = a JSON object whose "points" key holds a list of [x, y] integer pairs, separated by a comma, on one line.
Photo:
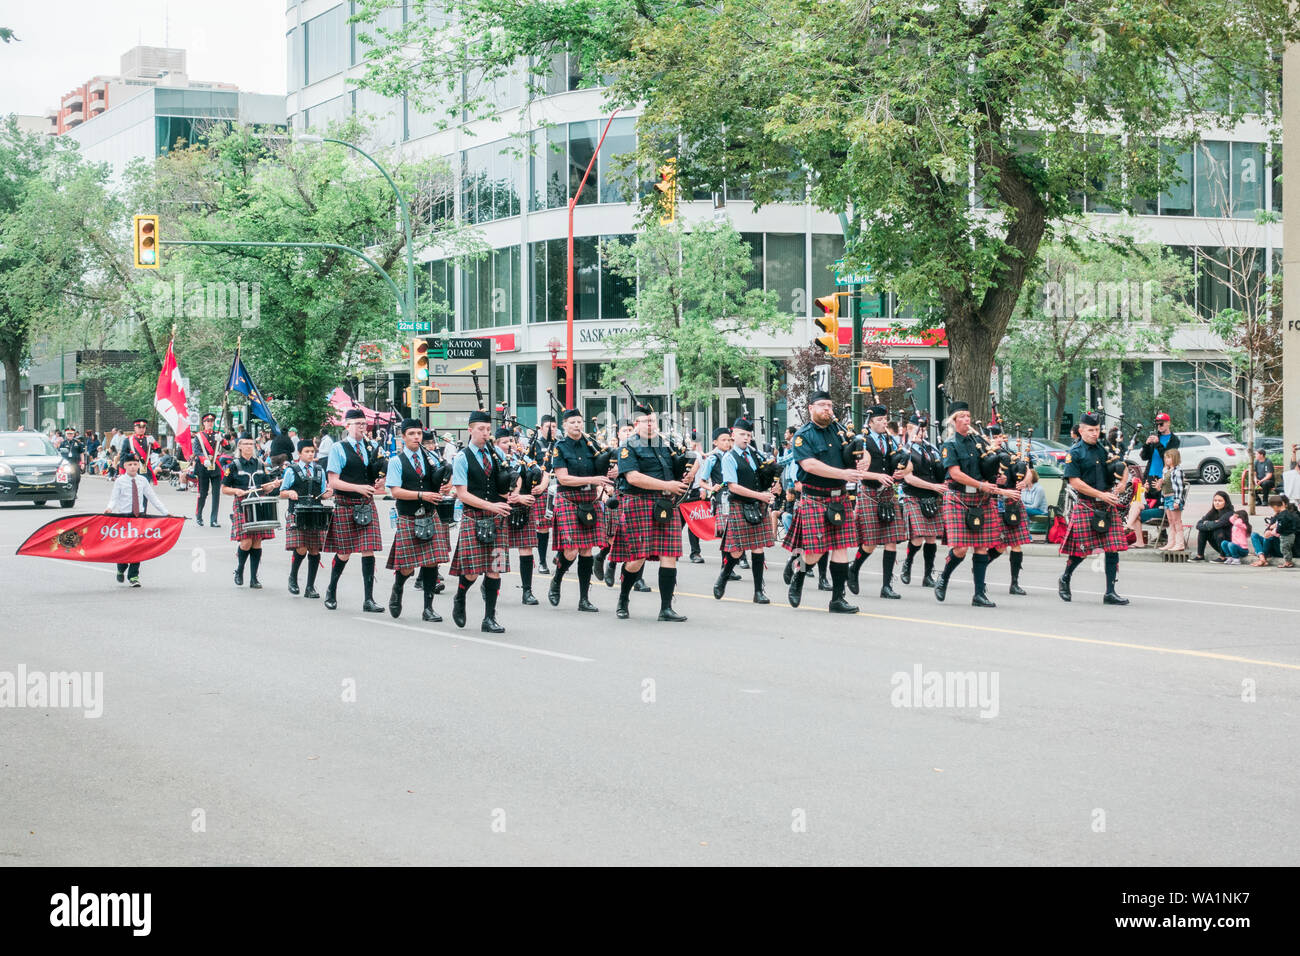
{"points": [[13, 391], [972, 347], [1061, 387]]}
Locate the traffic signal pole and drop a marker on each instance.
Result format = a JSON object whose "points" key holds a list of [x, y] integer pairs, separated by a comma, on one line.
{"points": [[855, 303]]}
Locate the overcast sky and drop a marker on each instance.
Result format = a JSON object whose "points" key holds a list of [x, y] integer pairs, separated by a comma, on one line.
{"points": [[64, 43]]}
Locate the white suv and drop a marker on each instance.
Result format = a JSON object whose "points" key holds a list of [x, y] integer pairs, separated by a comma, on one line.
{"points": [[1208, 457]]}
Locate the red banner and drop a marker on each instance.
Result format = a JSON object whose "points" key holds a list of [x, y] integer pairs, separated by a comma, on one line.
{"points": [[111, 539], [699, 516]]}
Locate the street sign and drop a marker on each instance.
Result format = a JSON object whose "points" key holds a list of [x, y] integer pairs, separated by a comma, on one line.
{"points": [[821, 378], [850, 278], [419, 328], [452, 365]]}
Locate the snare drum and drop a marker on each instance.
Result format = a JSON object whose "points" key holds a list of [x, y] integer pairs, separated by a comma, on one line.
{"points": [[311, 516], [260, 514]]}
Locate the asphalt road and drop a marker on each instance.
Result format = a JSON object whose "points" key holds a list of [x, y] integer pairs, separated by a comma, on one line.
{"points": [[253, 727]]}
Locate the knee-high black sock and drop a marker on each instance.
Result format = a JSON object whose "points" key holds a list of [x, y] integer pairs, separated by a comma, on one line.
{"points": [[626, 581], [1017, 560], [562, 564], [295, 565], [839, 574], [667, 583], [585, 564], [950, 565], [242, 556], [1071, 563], [994, 554], [526, 571], [463, 586], [313, 565], [255, 558], [336, 572], [399, 580], [428, 577], [979, 564], [822, 564], [928, 552], [602, 554], [859, 560], [887, 566], [1112, 569], [491, 588], [543, 539], [756, 561], [911, 553], [368, 575], [729, 561]]}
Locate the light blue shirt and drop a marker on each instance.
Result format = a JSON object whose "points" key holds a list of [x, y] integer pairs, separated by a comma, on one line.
{"points": [[337, 457], [312, 471], [460, 467], [393, 477], [729, 469]]}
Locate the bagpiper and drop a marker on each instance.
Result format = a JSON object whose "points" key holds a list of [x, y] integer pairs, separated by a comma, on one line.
{"points": [[747, 527], [303, 482], [879, 522], [521, 527], [1014, 523], [1095, 522], [418, 482], [580, 470], [355, 475], [539, 450], [480, 480], [923, 492]]}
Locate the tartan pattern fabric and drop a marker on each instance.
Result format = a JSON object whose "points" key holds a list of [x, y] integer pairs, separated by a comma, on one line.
{"points": [[409, 553], [471, 556], [611, 519], [918, 525], [522, 539], [544, 521], [954, 522], [1020, 535], [871, 531], [347, 537], [295, 539], [809, 532], [568, 533], [737, 534], [237, 527], [1080, 541], [638, 535]]}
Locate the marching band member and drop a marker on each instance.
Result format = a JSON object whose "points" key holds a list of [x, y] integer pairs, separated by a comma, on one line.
{"points": [[876, 502], [923, 492], [579, 518], [415, 481], [480, 546], [524, 507], [355, 478], [131, 494], [1085, 470], [303, 479], [240, 481], [207, 468], [140, 443], [748, 499], [544, 511]]}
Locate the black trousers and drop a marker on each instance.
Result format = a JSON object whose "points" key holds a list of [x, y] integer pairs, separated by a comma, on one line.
{"points": [[208, 479], [1212, 538], [132, 570]]}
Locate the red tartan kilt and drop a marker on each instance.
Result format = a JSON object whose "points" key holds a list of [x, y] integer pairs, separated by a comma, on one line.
{"points": [[809, 532], [237, 532], [1080, 541], [1020, 534], [409, 553], [525, 538], [295, 539], [638, 535], [542, 520], [918, 525], [347, 537], [612, 511], [954, 523], [472, 557], [871, 531], [568, 533], [737, 534]]}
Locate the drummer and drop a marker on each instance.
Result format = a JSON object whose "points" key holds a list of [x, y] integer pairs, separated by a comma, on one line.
{"points": [[304, 482], [241, 480], [415, 480]]}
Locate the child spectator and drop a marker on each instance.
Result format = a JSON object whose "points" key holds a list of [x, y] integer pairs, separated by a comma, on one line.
{"points": [[1173, 491], [1279, 537], [1238, 546]]}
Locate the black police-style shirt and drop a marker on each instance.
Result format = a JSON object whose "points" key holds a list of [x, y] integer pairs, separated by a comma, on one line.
{"points": [[242, 473], [926, 466], [652, 458], [964, 451], [72, 449], [575, 455], [1089, 463], [826, 445]]}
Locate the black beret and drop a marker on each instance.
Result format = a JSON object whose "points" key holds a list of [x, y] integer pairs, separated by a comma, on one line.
{"points": [[955, 407], [430, 435], [409, 423], [875, 411], [1090, 418], [641, 408], [353, 414], [816, 397], [720, 431], [129, 456], [995, 429], [567, 414], [744, 424], [302, 445], [479, 416], [550, 418], [503, 433], [914, 419]]}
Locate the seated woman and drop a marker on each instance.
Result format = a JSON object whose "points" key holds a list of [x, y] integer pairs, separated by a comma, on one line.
{"points": [[1034, 498], [1215, 526]]}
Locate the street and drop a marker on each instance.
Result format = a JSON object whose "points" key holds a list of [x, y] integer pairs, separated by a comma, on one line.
{"points": [[254, 727]]}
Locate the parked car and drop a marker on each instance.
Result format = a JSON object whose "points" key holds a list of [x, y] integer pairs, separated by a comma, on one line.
{"points": [[31, 469], [1048, 448], [1269, 446]]}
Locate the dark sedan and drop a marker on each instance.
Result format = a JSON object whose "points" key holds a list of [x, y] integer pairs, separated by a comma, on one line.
{"points": [[31, 469]]}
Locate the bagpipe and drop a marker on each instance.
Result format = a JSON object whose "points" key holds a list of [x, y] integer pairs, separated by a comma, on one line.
{"points": [[768, 471], [923, 455], [1117, 467], [683, 462], [995, 457], [602, 455]]}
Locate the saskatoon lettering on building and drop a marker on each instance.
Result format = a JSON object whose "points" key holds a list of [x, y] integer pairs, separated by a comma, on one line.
{"points": [[595, 336]]}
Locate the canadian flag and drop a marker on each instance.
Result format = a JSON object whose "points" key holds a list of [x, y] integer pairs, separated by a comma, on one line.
{"points": [[169, 399]]}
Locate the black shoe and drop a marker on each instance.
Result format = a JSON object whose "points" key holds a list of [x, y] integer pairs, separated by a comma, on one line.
{"points": [[395, 601], [788, 573], [796, 590], [310, 592], [431, 615], [824, 584], [239, 579], [528, 597], [371, 607], [121, 576], [928, 580], [491, 626], [696, 558], [851, 580], [621, 611], [640, 586], [553, 595], [940, 589], [668, 614], [458, 610], [1016, 588], [734, 575], [906, 576], [585, 605], [542, 568], [254, 584], [439, 586], [419, 581], [198, 519], [888, 592], [330, 603], [1063, 587], [1113, 598], [744, 563], [842, 607], [981, 600], [293, 586], [760, 597], [609, 574], [598, 569], [720, 586]]}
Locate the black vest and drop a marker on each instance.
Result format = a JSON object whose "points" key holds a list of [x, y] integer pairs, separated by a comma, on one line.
{"points": [[746, 477], [413, 481], [876, 457], [477, 482], [308, 484], [925, 465], [355, 469]]}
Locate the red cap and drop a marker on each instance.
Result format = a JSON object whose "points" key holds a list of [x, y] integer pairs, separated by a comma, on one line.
{"points": [[1162, 417]]}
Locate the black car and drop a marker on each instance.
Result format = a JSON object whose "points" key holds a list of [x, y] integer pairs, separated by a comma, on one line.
{"points": [[31, 469]]}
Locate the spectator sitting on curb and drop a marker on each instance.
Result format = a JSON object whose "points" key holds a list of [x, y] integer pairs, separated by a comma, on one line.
{"points": [[1280, 534], [1239, 547], [1215, 526]]}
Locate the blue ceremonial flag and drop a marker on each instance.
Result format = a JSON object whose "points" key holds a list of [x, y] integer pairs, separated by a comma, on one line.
{"points": [[240, 381]]}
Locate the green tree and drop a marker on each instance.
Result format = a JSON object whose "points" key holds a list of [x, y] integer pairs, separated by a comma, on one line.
{"points": [[695, 300], [887, 106]]}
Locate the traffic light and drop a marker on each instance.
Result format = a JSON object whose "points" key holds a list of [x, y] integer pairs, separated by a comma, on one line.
{"points": [[875, 373], [145, 238], [420, 360], [429, 397], [668, 186], [829, 323]]}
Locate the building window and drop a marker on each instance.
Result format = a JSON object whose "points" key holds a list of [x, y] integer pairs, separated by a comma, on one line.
{"points": [[325, 47], [435, 288], [1177, 199], [490, 289], [784, 262], [488, 183], [598, 293], [1213, 180], [560, 157], [526, 394]]}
